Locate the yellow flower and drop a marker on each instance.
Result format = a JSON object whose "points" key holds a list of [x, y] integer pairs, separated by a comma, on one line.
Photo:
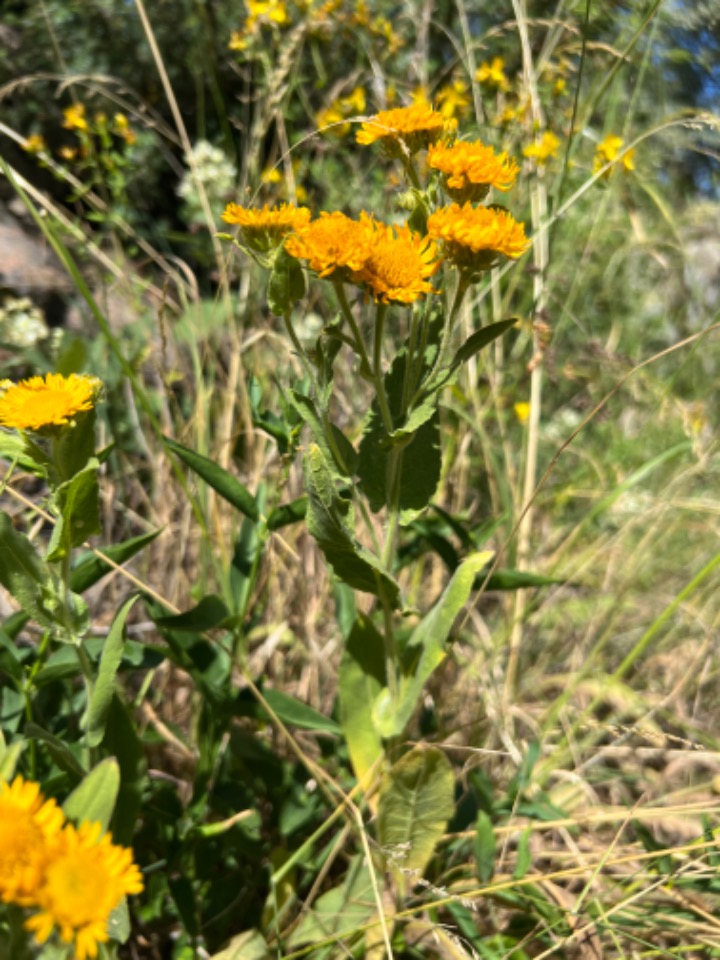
{"points": [[263, 229], [398, 265], [28, 825], [547, 147], [476, 237], [522, 411], [35, 143], [453, 99], [415, 127], [330, 120], [607, 152], [238, 40], [470, 169], [332, 243], [419, 97], [87, 877], [49, 401], [268, 11], [67, 153], [75, 117], [493, 74]]}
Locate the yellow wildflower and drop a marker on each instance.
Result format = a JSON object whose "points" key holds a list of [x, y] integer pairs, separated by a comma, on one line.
{"points": [[68, 153], [419, 97], [492, 73], [471, 168], [559, 86], [453, 99], [333, 244], [75, 117], [477, 237], [522, 411], [332, 117], [266, 11], [545, 148], [238, 40], [264, 229], [607, 152], [415, 127], [28, 825], [35, 143], [87, 877], [399, 265], [46, 402]]}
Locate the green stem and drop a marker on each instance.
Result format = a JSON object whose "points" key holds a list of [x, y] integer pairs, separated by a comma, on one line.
{"points": [[461, 289], [377, 370], [411, 171], [357, 336]]}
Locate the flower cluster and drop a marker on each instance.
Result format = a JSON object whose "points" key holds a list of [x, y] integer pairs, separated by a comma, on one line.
{"points": [[74, 877], [47, 403], [607, 151]]}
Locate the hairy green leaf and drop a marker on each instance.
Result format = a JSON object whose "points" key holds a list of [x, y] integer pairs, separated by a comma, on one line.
{"points": [[77, 504], [94, 797]]}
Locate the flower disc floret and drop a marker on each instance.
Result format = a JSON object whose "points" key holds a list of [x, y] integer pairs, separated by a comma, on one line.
{"points": [[333, 244], [40, 403], [470, 169], [87, 877], [399, 265], [28, 825], [414, 127], [263, 228], [477, 237]]}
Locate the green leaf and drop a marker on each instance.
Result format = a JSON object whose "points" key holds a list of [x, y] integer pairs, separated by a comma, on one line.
{"points": [[297, 714], [248, 945], [484, 847], [420, 455], [25, 576], [308, 412], [481, 339], [220, 480], [416, 803], [122, 742], [118, 925], [77, 504], [361, 678], [104, 686], [428, 638], [91, 568], [286, 284], [94, 798], [341, 910], [288, 513], [75, 446], [18, 451], [9, 756], [515, 580], [523, 861], [60, 753], [330, 521], [209, 613]]}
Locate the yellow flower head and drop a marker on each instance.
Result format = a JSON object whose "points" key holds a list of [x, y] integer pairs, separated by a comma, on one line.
{"points": [[47, 402], [476, 237], [545, 148], [86, 878], [492, 73], [522, 411], [264, 229], [35, 143], [453, 99], [414, 127], [28, 825], [267, 11], [238, 40], [75, 117], [333, 243], [607, 152], [399, 265], [470, 169]]}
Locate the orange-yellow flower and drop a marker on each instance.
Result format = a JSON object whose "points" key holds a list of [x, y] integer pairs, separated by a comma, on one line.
{"points": [[399, 265], [86, 878], [333, 243], [414, 127], [28, 825], [470, 169], [545, 148], [35, 143], [46, 402], [453, 99], [493, 74], [263, 229], [477, 237], [607, 152], [75, 117]]}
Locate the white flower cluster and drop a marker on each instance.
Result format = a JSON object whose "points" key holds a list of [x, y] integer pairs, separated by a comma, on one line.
{"points": [[217, 175], [22, 323]]}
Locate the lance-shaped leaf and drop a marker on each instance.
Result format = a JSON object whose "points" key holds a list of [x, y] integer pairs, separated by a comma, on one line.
{"points": [[340, 456], [330, 521], [76, 503], [426, 649], [220, 480], [416, 803], [94, 797], [360, 680], [26, 577], [104, 686]]}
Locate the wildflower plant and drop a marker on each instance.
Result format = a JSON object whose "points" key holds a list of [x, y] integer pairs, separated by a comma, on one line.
{"points": [[409, 276]]}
